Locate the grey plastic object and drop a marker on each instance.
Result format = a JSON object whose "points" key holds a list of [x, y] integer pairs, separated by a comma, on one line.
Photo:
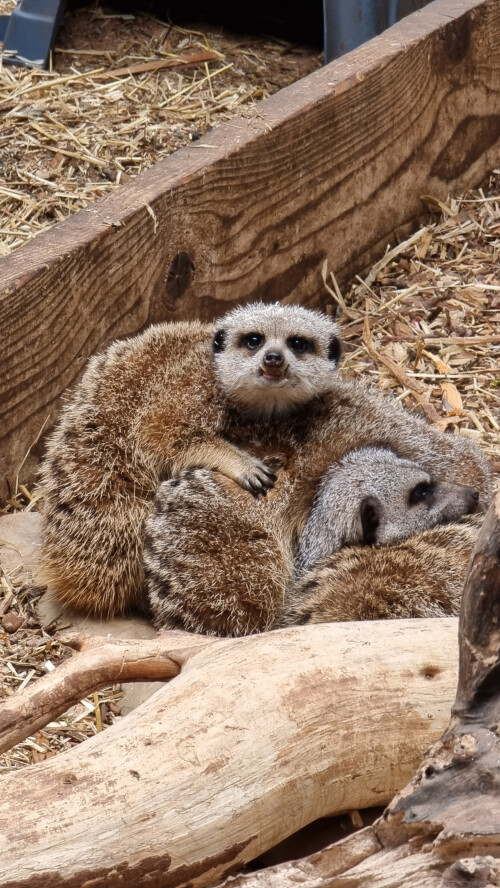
{"points": [[349, 23], [28, 33]]}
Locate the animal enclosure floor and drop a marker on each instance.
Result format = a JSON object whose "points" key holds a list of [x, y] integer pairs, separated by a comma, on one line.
{"points": [[124, 91], [425, 321]]}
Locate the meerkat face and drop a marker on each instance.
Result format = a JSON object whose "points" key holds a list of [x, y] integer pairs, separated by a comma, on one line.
{"points": [[373, 497], [401, 499], [270, 358]]}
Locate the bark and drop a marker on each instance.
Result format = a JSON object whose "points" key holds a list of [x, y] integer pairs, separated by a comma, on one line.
{"points": [[255, 738], [454, 798]]}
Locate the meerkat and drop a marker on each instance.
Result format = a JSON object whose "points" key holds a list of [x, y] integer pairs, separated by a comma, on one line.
{"points": [[196, 575], [369, 496], [373, 497], [158, 403], [422, 576], [194, 578]]}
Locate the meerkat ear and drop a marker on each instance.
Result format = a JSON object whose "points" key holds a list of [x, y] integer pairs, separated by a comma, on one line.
{"points": [[334, 349], [219, 341], [370, 519]]}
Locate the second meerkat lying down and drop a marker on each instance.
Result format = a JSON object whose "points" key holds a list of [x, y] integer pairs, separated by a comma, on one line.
{"points": [[373, 497], [379, 543]]}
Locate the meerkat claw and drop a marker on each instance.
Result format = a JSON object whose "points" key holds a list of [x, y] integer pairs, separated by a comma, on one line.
{"points": [[269, 473], [258, 480]]}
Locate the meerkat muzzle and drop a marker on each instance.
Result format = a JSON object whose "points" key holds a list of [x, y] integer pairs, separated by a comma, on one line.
{"points": [[272, 373], [273, 365]]}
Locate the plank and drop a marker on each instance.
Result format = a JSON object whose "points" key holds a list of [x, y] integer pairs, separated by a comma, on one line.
{"points": [[328, 168]]}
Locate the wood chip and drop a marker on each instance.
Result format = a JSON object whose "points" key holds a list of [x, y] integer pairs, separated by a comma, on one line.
{"points": [[451, 398], [429, 297]]}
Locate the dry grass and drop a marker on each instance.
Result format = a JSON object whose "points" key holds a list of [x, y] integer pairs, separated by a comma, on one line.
{"points": [[30, 652], [123, 92], [425, 321]]}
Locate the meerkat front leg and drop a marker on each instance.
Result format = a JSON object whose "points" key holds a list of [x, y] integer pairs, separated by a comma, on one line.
{"points": [[248, 471]]}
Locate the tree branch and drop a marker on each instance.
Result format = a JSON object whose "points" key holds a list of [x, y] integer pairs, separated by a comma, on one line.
{"points": [[99, 661]]}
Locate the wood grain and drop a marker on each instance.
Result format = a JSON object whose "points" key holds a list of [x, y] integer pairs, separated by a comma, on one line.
{"points": [[255, 738], [100, 662], [330, 167]]}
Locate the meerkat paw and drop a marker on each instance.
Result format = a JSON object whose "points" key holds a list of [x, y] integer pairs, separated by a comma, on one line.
{"points": [[257, 477]]}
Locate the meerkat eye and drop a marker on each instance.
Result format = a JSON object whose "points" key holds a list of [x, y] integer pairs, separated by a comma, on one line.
{"points": [[252, 341], [421, 492], [300, 345]]}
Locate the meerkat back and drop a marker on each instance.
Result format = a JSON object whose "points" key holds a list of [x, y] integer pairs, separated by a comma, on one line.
{"points": [[422, 576], [99, 472]]}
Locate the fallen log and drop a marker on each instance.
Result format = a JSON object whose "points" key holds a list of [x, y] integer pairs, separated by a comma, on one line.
{"points": [[443, 829], [255, 738], [104, 661]]}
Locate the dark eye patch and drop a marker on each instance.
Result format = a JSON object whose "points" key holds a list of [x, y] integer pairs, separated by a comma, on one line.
{"points": [[300, 345], [421, 492], [252, 341]]}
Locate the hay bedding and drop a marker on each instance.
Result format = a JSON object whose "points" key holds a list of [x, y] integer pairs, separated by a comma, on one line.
{"points": [[29, 652], [123, 92], [424, 322]]}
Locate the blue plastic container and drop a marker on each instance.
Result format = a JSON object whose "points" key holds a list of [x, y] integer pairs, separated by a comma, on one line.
{"points": [[348, 23]]}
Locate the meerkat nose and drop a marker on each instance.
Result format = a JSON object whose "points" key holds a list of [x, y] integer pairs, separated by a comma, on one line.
{"points": [[273, 359]]}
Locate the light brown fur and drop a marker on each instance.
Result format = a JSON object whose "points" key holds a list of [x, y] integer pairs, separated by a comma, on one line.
{"points": [[151, 406], [420, 577], [349, 416], [195, 575]]}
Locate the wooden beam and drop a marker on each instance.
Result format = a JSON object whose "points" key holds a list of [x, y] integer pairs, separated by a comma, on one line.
{"points": [[328, 168]]}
